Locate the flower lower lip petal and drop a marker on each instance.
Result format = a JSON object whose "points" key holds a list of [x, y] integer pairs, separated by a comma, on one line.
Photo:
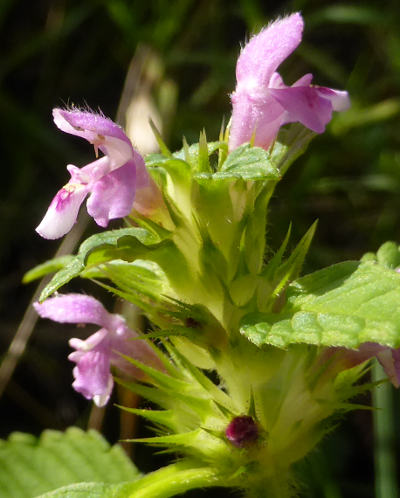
{"points": [[63, 211]]}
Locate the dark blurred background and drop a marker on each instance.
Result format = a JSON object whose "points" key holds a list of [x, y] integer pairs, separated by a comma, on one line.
{"points": [[59, 52]]}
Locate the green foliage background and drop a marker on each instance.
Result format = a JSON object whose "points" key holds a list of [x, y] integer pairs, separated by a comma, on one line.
{"points": [[70, 51]]}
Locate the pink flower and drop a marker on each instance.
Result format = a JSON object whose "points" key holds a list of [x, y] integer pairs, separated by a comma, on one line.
{"points": [[95, 356], [111, 180], [389, 358], [390, 361], [262, 103]]}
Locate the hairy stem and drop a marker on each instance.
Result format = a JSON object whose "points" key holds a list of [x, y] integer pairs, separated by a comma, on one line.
{"points": [[279, 486], [172, 480]]}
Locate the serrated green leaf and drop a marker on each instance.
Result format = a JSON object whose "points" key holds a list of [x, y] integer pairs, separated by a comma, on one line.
{"points": [[248, 163], [343, 305], [47, 267], [389, 255], [32, 466], [92, 490]]}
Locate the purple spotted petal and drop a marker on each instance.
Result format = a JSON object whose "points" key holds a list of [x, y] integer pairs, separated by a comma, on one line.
{"points": [[112, 196], [63, 211], [267, 50], [75, 308]]}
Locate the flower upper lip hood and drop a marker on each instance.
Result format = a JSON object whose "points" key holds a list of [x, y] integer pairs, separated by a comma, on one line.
{"points": [[264, 53], [100, 131], [111, 180], [262, 103]]}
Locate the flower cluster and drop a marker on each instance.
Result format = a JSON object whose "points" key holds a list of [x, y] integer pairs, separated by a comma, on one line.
{"points": [[261, 105]]}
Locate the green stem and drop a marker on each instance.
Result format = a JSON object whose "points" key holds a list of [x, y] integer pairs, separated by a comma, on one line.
{"points": [[172, 480], [384, 428], [278, 486]]}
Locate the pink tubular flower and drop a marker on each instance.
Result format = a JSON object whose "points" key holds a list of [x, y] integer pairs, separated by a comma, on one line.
{"points": [[111, 180], [389, 358], [95, 356], [390, 361], [262, 103]]}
